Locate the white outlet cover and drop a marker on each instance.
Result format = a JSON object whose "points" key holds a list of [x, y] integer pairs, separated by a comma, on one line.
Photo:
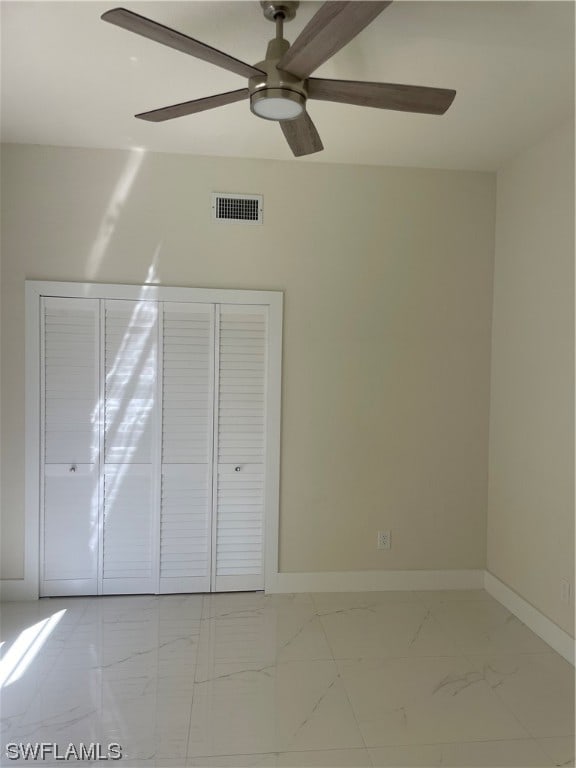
{"points": [[384, 540]]}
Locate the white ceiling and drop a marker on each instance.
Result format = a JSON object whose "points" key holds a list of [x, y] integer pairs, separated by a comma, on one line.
{"points": [[68, 78]]}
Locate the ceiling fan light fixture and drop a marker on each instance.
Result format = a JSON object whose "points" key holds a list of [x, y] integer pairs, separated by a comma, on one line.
{"points": [[277, 104]]}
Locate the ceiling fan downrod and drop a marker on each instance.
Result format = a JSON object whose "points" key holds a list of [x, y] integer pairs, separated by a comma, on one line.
{"points": [[277, 95], [279, 19]]}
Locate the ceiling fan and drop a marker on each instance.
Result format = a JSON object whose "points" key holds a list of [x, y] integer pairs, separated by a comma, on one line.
{"points": [[279, 86]]}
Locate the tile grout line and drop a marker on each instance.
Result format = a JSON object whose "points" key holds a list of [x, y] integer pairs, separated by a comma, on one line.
{"points": [[186, 757], [341, 680]]}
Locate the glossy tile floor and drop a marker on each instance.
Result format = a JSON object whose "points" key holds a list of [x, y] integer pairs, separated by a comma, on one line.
{"points": [[372, 679]]}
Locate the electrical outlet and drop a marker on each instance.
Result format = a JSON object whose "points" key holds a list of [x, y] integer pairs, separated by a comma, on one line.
{"points": [[565, 590], [384, 540]]}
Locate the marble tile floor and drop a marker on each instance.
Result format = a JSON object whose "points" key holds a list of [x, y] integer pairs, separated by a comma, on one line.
{"points": [[238, 680]]}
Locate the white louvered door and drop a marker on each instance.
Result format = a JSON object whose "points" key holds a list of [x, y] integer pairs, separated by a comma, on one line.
{"points": [[238, 526], [187, 333], [70, 414], [130, 477], [155, 466]]}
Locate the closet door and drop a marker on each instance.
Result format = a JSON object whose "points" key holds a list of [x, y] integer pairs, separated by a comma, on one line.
{"points": [[70, 450], [130, 447], [238, 530], [187, 333], [154, 467]]}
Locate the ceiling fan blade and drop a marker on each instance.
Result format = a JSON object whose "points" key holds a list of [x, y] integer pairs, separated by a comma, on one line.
{"points": [[190, 107], [301, 135], [133, 22], [329, 30], [406, 98]]}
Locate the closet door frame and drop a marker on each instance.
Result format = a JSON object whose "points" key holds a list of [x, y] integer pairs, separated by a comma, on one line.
{"points": [[38, 289]]}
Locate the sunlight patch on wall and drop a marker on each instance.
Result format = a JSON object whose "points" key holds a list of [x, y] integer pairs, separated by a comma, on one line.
{"points": [[113, 211]]}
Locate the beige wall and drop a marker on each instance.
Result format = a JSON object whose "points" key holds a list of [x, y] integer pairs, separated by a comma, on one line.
{"points": [[387, 276], [531, 489]]}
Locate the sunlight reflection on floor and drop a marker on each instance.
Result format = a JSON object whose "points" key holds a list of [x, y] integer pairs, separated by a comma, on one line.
{"points": [[23, 650]]}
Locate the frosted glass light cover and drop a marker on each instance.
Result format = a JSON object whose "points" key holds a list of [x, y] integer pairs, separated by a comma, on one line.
{"points": [[275, 108]]}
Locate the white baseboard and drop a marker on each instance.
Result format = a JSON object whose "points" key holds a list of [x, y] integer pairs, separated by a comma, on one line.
{"points": [[326, 581], [17, 589], [367, 581], [550, 632]]}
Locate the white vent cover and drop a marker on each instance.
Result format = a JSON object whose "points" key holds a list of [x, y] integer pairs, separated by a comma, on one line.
{"points": [[244, 208]]}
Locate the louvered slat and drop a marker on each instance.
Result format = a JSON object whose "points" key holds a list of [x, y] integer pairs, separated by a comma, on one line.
{"points": [[130, 351], [70, 410], [186, 384], [187, 395], [185, 527], [241, 398], [70, 381], [130, 404], [128, 528], [241, 433]]}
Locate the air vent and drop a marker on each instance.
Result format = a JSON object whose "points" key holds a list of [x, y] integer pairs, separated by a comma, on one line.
{"points": [[240, 208]]}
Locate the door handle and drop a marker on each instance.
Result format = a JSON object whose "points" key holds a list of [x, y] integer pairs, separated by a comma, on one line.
{"points": [[73, 468], [237, 469]]}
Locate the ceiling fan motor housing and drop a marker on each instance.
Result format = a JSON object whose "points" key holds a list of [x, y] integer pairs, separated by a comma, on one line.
{"points": [[276, 83]]}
